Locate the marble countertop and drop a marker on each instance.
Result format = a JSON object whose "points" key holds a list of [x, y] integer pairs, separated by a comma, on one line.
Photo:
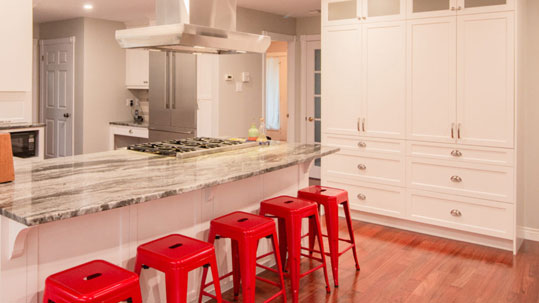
{"points": [[18, 125], [56, 189], [130, 123]]}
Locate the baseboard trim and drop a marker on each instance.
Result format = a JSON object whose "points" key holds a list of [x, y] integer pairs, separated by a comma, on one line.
{"points": [[528, 233]]}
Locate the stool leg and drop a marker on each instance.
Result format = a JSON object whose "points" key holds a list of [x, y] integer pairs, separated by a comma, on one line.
{"points": [[216, 281], [211, 240], [275, 243], [322, 251], [312, 234], [248, 269], [294, 255], [282, 241], [236, 274], [332, 222], [138, 266], [176, 284], [136, 297], [351, 232]]}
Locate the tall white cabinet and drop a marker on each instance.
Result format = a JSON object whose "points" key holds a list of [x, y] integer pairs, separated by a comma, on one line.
{"points": [[420, 97]]}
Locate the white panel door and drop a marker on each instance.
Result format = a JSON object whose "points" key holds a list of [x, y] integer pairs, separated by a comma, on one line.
{"points": [[486, 79], [384, 84], [431, 93], [57, 95], [341, 82]]}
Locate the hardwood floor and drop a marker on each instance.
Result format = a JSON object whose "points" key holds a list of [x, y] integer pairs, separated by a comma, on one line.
{"points": [[402, 266]]}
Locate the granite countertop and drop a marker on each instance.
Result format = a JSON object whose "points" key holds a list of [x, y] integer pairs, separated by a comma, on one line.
{"points": [[17, 125], [56, 189], [130, 123]]}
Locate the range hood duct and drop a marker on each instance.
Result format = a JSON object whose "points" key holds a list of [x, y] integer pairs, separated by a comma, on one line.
{"points": [[194, 26]]}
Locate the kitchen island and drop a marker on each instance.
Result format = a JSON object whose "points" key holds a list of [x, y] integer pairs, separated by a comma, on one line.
{"points": [[62, 212]]}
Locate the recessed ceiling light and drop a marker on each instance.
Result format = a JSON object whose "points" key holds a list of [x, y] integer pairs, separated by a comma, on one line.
{"points": [[88, 6]]}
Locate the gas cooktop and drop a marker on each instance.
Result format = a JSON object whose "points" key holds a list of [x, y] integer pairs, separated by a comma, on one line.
{"points": [[192, 147]]}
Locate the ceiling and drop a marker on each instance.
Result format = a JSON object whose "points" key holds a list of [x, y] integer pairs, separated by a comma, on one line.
{"points": [[143, 10]]}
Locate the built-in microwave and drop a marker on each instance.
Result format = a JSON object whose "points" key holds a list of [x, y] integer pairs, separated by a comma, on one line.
{"points": [[24, 144]]}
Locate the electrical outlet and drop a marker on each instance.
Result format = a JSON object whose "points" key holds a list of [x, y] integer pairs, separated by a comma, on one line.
{"points": [[129, 102]]}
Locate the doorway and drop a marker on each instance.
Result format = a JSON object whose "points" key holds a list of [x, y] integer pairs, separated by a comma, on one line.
{"points": [[312, 95], [57, 95], [277, 91]]}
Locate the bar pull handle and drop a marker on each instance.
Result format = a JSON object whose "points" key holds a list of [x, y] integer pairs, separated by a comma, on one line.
{"points": [[167, 80], [458, 131], [173, 82], [358, 124], [363, 125], [452, 130]]}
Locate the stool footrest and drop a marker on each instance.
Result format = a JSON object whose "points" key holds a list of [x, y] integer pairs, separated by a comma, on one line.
{"points": [[207, 294], [267, 268], [311, 270], [220, 278], [311, 257], [268, 281], [346, 249]]}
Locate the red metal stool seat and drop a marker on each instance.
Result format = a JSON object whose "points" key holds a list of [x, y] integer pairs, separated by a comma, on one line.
{"points": [[95, 281], [331, 198], [245, 230], [177, 255], [290, 212]]}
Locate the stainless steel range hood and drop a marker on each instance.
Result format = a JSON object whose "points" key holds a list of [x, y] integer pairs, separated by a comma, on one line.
{"points": [[194, 26]]}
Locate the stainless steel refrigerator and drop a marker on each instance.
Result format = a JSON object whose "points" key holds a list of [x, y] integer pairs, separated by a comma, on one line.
{"points": [[172, 96]]}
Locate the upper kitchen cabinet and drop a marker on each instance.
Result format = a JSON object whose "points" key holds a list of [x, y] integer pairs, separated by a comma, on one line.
{"points": [[438, 8], [137, 68], [382, 10], [341, 78], [485, 79], [383, 80], [340, 12], [432, 79], [484, 6], [16, 33]]}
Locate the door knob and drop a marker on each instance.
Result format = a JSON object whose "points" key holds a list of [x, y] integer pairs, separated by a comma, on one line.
{"points": [[66, 115], [311, 119]]}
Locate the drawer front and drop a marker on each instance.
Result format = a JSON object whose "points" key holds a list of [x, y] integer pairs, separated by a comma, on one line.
{"points": [[372, 198], [480, 181], [472, 215], [460, 153], [377, 146], [366, 168], [139, 132]]}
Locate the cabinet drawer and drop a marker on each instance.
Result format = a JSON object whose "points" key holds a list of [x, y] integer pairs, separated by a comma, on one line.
{"points": [[139, 132], [366, 168], [474, 180], [372, 198], [378, 146], [453, 152], [472, 215]]}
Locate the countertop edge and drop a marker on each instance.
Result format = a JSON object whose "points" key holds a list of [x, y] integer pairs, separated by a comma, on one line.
{"points": [[59, 216]]}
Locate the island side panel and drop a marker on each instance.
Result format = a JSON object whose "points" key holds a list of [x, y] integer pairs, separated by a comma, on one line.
{"points": [[115, 234]]}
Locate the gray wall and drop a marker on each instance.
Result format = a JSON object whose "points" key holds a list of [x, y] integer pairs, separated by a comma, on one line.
{"points": [[253, 21]]}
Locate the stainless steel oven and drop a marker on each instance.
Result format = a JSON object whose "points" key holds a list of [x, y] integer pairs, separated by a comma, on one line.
{"points": [[24, 144]]}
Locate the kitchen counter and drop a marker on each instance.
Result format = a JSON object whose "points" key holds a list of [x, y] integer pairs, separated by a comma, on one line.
{"points": [[130, 123], [57, 189], [18, 125]]}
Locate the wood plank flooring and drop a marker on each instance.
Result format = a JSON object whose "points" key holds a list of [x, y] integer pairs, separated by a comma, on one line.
{"points": [[403, 266]]}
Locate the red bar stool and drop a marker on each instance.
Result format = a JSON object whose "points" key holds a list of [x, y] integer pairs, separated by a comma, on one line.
{"points": [[245, 230], [176, 256], [290, 212], [93, 282], [331, 198]]}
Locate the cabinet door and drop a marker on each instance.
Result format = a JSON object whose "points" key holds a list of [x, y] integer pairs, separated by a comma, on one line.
{"points": [[431, 8], [159, 95], [384, 80], [137, 68], [341, 79], [340, 12], [486, 79], [431, 93], [484, 6], [383, 10]]}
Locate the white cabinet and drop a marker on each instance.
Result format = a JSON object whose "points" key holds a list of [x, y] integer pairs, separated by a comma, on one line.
{"points": [[484, 6], [381, 10], [432, 79], [16, 58], [341, 84], [340, 12], [137, 69], [440, 8], [383, 80], [485, 64]]}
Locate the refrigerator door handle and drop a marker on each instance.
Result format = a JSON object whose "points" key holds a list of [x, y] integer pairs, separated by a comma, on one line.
{"points": [[173, 80], [167, 80]]}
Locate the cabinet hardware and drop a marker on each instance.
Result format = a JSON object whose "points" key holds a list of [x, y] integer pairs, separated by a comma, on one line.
{"points": [[361, 197], [453, 8], [456, 179], [130, 131], [452, 130], [362, 167], [455, 213], [66, 115], [362, 144], [459, 8], [358, 124], [458, 131], [145, 82], [364, 18], [456, 153], [363, 125], [311, 119]]}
